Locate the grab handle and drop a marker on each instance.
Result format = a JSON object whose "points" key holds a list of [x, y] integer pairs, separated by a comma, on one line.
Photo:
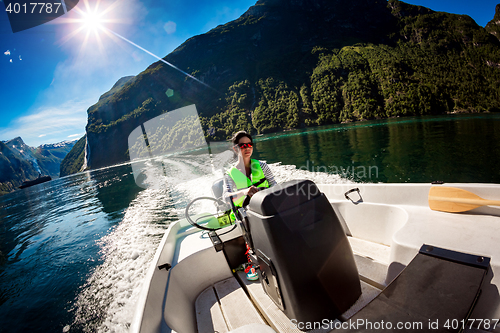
{"points": [[346, 194]]}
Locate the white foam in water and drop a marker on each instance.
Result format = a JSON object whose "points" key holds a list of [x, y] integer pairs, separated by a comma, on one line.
{"points": [[109, 298], [112, 290], [283, 173]]}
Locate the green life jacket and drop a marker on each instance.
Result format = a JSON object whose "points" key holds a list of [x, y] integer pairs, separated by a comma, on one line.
{"points": [[242, 181]]}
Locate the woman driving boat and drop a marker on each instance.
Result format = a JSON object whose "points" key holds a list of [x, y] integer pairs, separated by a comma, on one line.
{"points": [[245, 179], [247, 175]]}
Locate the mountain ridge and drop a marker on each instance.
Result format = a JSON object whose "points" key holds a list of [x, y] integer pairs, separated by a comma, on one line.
{"points": [[57, 144], [296, 63]]}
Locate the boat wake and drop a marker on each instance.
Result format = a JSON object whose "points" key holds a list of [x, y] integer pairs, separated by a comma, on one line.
{"points": [[106, 302], [283, 173]]}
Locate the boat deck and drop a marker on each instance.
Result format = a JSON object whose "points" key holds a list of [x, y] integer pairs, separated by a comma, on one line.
{"points": [[225, 307], [219, 307], [235, 302]]}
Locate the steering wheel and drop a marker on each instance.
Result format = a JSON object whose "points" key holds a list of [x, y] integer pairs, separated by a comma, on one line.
{"points": [[218, 202], [247, 197]]}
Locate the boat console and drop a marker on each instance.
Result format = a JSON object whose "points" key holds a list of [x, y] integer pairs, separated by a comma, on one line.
{"points": [[306, 263]]}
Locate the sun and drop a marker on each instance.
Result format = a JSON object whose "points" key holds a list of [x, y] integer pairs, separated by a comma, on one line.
{"points": [[91, 20]]}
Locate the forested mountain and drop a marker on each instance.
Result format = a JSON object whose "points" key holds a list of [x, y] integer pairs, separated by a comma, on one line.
{"points": [[288, 64], [74, 160], [20, 162]]}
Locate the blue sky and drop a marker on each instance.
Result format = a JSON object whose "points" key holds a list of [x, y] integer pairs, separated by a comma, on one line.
{"points": [[51, 74]]}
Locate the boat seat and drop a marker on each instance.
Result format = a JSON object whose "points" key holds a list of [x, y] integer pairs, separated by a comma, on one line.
{"points": [[307, 266], [224, 307], [437, 287]]}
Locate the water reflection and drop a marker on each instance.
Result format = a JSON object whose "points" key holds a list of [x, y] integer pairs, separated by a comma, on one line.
{"points": [[48, 235], [462, 148], [116, 188]]}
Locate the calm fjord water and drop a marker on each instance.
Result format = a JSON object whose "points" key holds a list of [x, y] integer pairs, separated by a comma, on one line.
{"points": [[461, 148], [74, 251]]}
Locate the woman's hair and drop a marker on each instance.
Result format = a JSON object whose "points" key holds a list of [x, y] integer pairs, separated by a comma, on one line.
{"points": [[238, 135]]}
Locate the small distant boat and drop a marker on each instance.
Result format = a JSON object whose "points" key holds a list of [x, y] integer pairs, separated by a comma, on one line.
{"points": [[39, 180]]}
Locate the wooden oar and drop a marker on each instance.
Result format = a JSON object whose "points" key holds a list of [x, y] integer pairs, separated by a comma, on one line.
{"points": [[454, 200]]}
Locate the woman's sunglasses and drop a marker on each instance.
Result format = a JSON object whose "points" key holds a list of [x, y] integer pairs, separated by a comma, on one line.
{"points": [[245, 145]]}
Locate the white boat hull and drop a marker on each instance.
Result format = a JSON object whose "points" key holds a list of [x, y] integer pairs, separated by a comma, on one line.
{"points": [[386, 223]]}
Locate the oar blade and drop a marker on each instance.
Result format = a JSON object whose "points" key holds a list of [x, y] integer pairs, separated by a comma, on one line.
{"points": [[441, 199], [450, 207]]}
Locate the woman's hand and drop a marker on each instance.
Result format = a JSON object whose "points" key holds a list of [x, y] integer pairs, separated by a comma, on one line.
{"points": [[252, 190]]}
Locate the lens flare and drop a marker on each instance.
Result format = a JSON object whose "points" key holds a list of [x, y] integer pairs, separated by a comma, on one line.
{"points": [[93, 23]]}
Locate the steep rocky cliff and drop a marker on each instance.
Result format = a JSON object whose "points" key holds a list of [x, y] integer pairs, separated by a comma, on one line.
{"points": [[75, 159], [493, 27], [20, 162], [13, 169]]}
